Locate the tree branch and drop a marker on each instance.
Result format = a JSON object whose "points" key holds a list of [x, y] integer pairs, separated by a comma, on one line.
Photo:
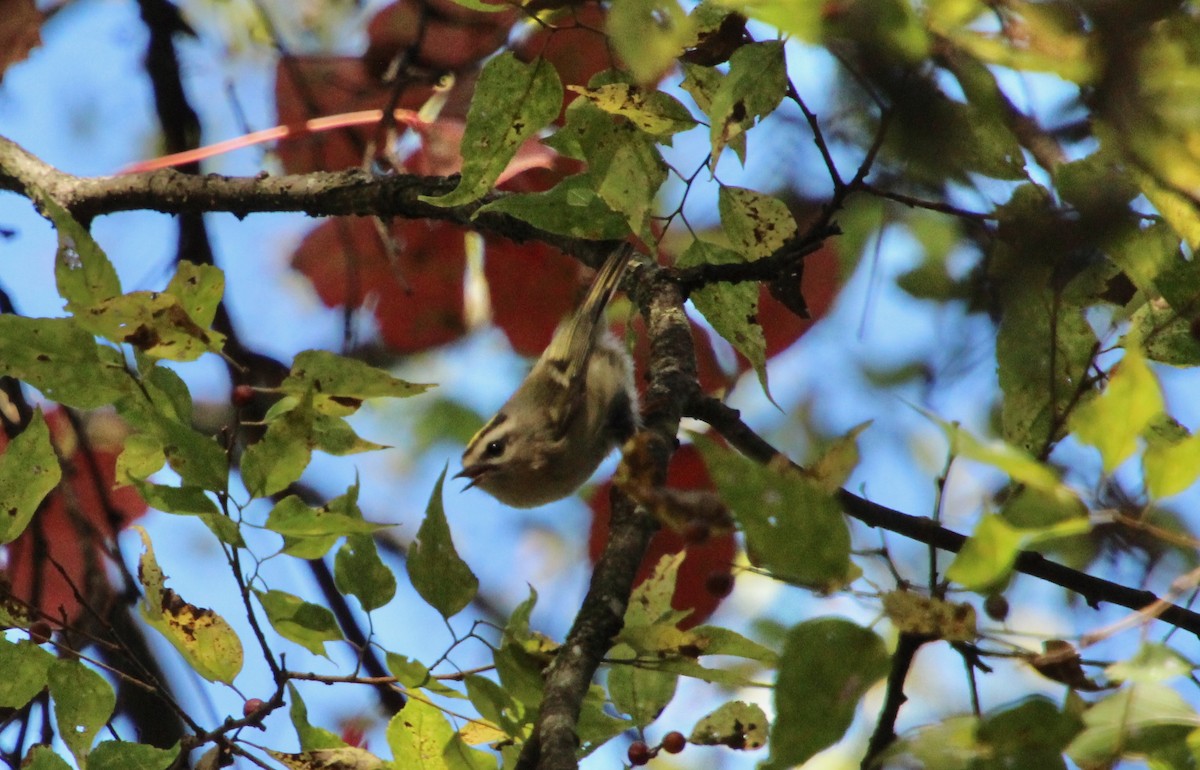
{"points": [[726, 421], [885, 728], [555, 743], [318, 194]]}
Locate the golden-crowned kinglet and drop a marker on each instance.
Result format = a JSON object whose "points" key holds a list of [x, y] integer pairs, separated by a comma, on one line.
{"points": [[574, 406]]}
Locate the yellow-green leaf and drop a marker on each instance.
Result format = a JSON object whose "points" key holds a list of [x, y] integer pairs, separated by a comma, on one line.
{"points": [[29, 471], [437, 572], [755, 85], [756, 224], [1113, 422], [83, 702], [513, 101], [308, 625], [1171, 468], [649, 35], [653, 112], [206, 640]]}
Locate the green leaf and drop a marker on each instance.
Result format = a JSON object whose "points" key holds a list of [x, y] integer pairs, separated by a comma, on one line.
{"points": [[1143, 254], [125, 755], [950, 743], [832, 467], [358, 570], [85, 276], [292, 517], [649, 35], [154, 323], [199, 289], [42, 757], [495, 704], [351, 757], [793, 528], [987, 558], [642, 693], [206, 640], [59, 358], [757, 224], [83, 702], [1167, 335], [278, 459], [421, 737], [1178, 209], [1049, 43], [736, 724], [483, 5], [29, 471], [799, 20], [141, 457], [1045, 344], [198, 459], [1171, 468], [334, 436], [1152, 663], [339, 385], [756, 83], [169, 394], [191, 501], [308, 625], [311, 738], [572, 208], [187, 501], [1131, 721], [716, 640], [26, 668], [826, 667], [625, 166], [408, 672], [1113, 422], [520, 675], [596, 726], [658, 114], [1031, 734], [513, 101], [731, 308], [437, 573], [1039, 480], [650, 602]]}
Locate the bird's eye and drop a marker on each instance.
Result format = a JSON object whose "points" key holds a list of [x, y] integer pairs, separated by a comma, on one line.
{"points": [[494, 449]]}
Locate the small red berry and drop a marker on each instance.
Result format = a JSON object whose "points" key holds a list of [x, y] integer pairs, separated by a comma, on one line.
{"points": [[243, 395], [674, 742], [719, 583], [639, 753], [252, 706], [40, 632]]}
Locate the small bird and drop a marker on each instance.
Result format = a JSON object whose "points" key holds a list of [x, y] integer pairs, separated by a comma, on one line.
{"points": [[577, 403]]}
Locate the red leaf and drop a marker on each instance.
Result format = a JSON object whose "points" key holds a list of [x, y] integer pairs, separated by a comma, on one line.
{"points": [[715, 555], [577, 47], [439, 36], [74, 523], [20, 31], [532, 287], [418, 300], [309, 87]]}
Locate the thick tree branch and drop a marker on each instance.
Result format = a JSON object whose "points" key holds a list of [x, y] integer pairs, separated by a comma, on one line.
{"points": [[318, 194], [672, 376], [726, 421]]}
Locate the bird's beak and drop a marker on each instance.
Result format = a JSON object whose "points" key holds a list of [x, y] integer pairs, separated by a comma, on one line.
{"points": [[473, 473]]}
